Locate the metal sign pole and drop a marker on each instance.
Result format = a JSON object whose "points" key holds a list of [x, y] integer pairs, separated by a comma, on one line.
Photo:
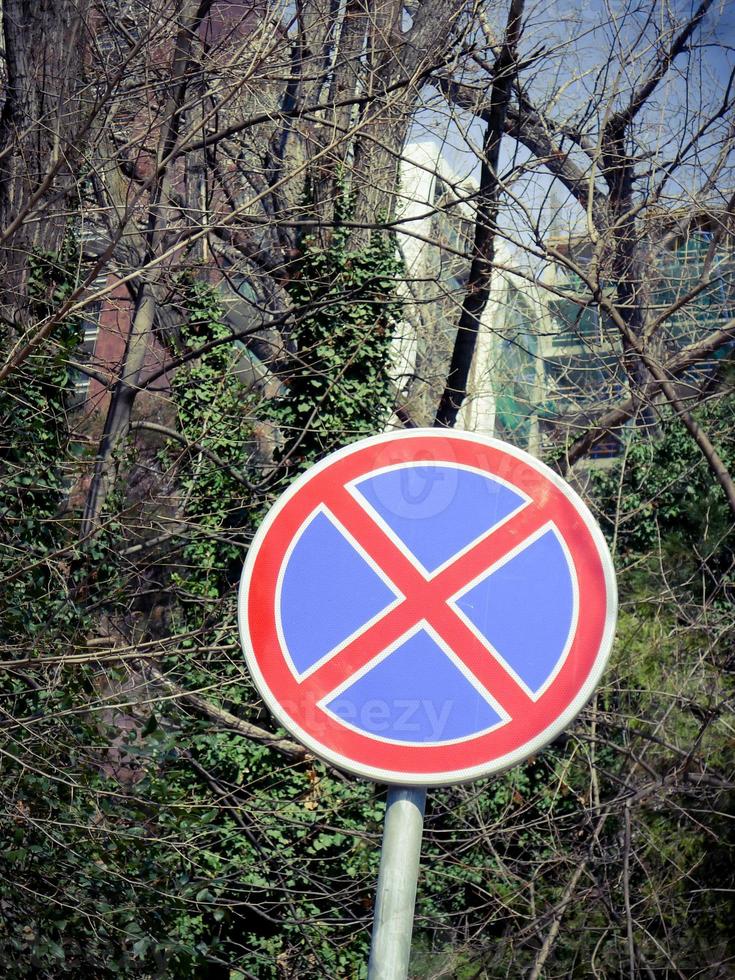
{"points": [[396, 895]]}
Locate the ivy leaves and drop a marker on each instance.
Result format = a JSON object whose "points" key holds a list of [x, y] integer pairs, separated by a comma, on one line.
{"points": [[34, 445], [212, 408], [346, 310]]}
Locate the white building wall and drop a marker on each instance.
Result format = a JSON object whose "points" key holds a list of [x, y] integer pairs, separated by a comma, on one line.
{"points": [[419, 169], [422, 164]]}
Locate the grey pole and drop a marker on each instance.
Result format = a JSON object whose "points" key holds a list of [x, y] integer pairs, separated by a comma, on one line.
{"points": [[396, 896]]}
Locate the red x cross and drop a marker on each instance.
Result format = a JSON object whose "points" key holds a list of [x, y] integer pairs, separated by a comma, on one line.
{"points": [[425, 599]]}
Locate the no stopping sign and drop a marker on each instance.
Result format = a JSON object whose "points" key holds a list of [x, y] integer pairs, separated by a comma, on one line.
{"points": [[427, 607]]}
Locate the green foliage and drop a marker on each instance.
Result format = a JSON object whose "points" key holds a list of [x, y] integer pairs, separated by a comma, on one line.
{"points": [[37, 551], [664, 496], [672, 679], [346, 311], [213, 414], [34, 447]]}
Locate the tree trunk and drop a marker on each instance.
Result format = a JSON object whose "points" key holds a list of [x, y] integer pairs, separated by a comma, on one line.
{"points": [[128, 385], [39, 120]]}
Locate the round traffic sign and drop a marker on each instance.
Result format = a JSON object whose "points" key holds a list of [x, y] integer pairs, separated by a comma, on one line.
{"points": [[427, 606]]}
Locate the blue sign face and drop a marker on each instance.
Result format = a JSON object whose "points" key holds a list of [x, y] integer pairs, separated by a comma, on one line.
{"points": [[418, 690]]}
